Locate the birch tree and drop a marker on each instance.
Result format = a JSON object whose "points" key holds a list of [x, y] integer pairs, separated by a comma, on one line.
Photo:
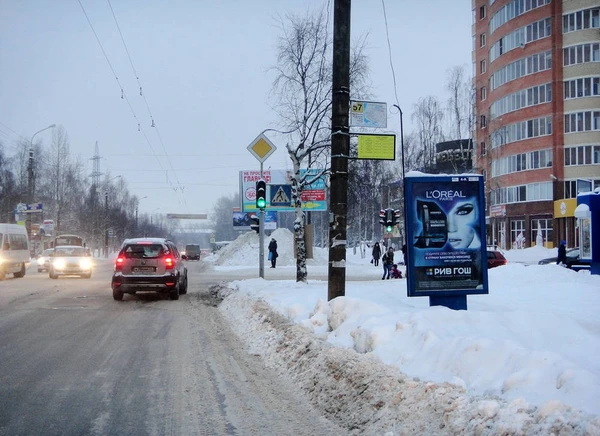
{"points": [[303, 93]]}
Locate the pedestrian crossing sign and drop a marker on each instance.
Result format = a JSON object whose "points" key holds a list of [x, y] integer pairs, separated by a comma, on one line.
{"points": [[281, 195]]}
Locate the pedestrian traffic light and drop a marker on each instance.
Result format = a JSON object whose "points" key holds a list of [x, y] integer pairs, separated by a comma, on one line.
{"points": [[389, 220], [261, 194], [382, 217], [255, 223]]}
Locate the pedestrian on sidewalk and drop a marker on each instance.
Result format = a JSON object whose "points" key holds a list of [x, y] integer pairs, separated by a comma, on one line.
{"points": [[273, 252], [387, 261]]}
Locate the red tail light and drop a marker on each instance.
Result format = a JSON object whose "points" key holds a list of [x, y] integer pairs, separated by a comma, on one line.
{"points": [[169, 262], [119, 263]]}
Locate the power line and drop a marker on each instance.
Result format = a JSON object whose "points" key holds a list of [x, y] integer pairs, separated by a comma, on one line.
{"points": [[142, 94], [126, 98]]}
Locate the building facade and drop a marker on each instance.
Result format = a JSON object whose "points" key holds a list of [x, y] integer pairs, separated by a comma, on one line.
{"points": [[536, 74]]}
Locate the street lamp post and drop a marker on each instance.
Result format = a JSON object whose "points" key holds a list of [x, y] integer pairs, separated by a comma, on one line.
{"points": [[136, 215], [106, 223], [30, 178]]}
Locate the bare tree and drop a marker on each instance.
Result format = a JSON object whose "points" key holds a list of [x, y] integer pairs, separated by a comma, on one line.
{"points": [[303, 93], [222, 217], [428, 115], [459, 103]]}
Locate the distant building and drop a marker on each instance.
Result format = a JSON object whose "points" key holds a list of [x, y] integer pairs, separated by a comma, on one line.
{"points": [[537, 81]]}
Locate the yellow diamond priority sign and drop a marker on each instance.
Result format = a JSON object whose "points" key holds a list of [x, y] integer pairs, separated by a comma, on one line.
{"points": [[261, 148]]}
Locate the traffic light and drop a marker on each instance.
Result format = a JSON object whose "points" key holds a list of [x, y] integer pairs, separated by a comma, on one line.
{"points": [[382, 217], [255, 223], [261, 194], [389, 220], [396, 216]]}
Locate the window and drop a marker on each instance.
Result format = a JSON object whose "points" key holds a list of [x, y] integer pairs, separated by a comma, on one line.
{"points": [[482, 40], [482, 146], [482, 12], [541, 230], [483, 122], [483, 93], [482, 66], [582, 155]]}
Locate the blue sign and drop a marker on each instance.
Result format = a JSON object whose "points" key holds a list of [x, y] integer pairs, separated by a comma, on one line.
{"points": [[445, 220], [281, 195]]}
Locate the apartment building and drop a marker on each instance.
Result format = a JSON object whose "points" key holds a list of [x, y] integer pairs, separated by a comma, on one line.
{"points": [[536, 73]]}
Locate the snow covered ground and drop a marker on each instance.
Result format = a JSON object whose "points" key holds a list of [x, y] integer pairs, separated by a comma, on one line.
{"points": [[521, 360]]}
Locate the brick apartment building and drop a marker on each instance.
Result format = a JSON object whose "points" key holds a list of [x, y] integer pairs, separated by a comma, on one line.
{"points": [[536, 72]]}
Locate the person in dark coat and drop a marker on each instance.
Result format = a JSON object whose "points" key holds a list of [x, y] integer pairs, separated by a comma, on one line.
{"points": [[562, 253], [376, 253], [273, 252], [387, 261]]}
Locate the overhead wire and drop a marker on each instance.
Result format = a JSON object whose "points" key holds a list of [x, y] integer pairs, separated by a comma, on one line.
{"points": [[126, 98], [387, 34], [143, 94]]}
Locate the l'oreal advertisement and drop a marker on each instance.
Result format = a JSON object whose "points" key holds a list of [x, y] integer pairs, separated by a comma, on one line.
{"points": [[446, 235]]}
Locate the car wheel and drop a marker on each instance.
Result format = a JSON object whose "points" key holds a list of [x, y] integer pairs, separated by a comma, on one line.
{"points": [[52, 275], [174, 294], [117, 295], [184, 288], [87, 276], [20, 273], [40, 270]]}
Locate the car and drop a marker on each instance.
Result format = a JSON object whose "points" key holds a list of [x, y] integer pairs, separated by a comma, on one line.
{"points": [[70, 260], [149, 265], [495, 258], [192, 252], [573, 260], [43, 260]]}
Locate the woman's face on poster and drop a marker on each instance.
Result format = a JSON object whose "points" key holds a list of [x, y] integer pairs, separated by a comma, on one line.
{"points": [[461, 221]]}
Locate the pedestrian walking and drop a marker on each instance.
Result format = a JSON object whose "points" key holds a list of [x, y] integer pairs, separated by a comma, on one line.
{"points": [[387, 261], [562, 253], [376, 254], [273, 252]]}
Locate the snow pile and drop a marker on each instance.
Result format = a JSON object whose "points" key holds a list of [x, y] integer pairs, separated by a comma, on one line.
{"points": [[521, 360]]}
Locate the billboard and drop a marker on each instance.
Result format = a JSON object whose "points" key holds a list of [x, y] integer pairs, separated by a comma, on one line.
{"points": [[279, 191], [445, 219], [243, 220]]}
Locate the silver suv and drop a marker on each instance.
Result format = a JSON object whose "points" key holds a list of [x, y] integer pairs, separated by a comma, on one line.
{"points": [[149, 265]]}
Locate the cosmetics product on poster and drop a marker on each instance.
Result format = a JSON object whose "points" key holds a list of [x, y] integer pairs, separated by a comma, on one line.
{"points": [[446, 227]]}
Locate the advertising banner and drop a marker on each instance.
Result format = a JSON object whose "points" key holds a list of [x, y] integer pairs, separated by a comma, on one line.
{"points": [[243, 220], [445, 219], [279, 191]]}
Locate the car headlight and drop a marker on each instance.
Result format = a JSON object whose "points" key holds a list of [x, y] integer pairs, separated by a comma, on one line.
{"points": [[85, 263], [59, 263]]}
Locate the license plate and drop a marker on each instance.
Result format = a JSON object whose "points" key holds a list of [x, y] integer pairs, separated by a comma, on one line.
{"points": [[143, 269]]}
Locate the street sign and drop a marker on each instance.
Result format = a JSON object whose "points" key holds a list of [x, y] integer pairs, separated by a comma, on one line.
{"points": [[261, 148], [368, 114], [375, 146], [281, 195], [33, 208]]}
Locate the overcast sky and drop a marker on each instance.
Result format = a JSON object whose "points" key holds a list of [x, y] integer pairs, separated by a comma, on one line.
{"points": [[204, 70]]}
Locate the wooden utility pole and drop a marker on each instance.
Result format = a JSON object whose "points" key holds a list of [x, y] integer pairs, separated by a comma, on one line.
{"points": [[340, 147]]}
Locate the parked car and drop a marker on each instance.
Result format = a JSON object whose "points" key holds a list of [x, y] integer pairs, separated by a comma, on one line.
{"points": [[495, 258], [149, 265], [573, 260], [43, 260], [70, 260]]}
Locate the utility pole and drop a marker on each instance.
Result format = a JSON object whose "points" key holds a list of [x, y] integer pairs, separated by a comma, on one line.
{"points": [[30, 176], [105, 223], [340, 146]]}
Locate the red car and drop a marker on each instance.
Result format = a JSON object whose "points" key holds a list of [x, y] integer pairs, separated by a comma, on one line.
{"points": [[495, 258]]}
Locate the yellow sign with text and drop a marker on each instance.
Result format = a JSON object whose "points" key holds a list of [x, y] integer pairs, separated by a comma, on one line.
{"points": [[372, 146]]}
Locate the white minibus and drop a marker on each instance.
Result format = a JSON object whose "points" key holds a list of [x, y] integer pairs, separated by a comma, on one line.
{"points": [[14, 250]]}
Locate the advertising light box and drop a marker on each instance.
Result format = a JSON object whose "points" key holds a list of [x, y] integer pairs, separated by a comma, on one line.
{"points": [[445, 219]]}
